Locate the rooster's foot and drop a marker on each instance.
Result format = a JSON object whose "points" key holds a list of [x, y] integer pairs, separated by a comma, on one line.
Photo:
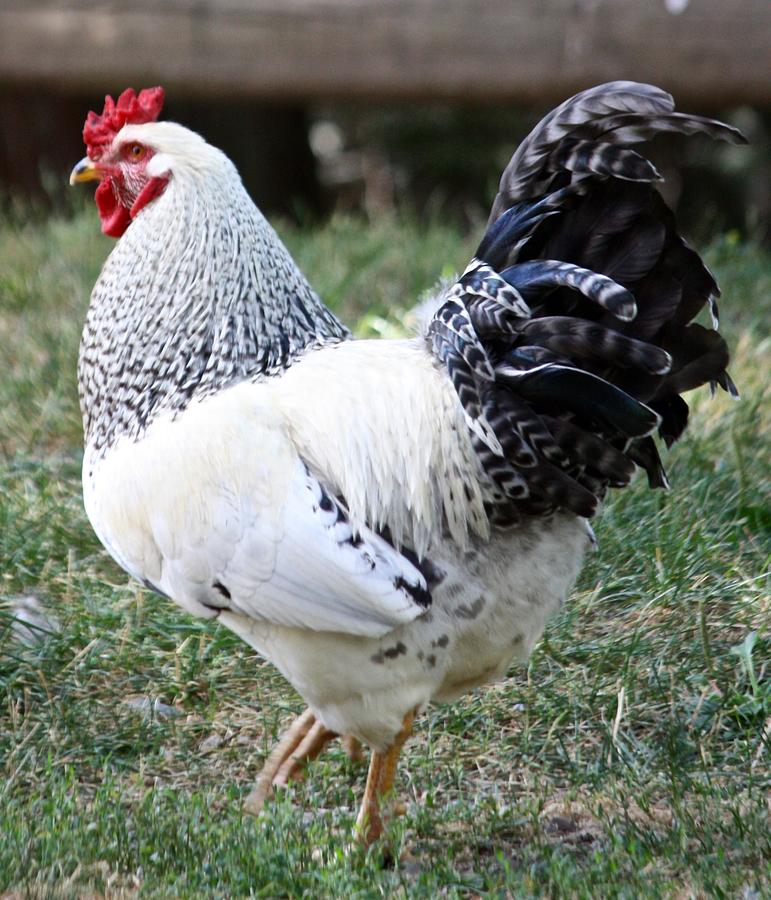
{"points": [[301, 743]]}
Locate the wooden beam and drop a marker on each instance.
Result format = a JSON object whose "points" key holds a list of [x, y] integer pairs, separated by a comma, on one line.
{"points": [[713, 52]]}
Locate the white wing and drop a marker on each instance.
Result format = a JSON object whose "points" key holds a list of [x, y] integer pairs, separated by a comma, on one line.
{"points": [[216, 510], [307, 570]]}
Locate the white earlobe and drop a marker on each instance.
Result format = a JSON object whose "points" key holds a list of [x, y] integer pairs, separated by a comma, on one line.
{"points": [[159, 165]]}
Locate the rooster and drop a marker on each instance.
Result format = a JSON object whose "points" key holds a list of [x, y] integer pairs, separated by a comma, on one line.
{"points": [[389, 522]]}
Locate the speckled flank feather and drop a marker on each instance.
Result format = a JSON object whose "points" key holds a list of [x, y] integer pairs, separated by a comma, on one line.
{"points": [[489, 610], [340, 504]]}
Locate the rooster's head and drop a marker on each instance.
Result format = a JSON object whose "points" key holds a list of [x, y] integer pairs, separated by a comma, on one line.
{"points": [[128, 154]]}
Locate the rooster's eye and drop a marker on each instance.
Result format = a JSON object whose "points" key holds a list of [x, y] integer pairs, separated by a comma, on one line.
{"points": [[135, 151]]}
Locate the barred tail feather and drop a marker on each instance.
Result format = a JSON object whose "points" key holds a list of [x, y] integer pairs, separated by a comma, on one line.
{"points": [[569, 338]]}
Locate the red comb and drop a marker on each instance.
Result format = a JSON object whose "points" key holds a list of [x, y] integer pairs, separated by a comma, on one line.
{"points": [[99, 131]]}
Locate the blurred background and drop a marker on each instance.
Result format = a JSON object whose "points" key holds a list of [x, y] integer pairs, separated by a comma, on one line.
{"points": [[379, 105]]}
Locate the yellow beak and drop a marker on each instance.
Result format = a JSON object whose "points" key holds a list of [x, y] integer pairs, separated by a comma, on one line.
{"points": [[85, 170]]}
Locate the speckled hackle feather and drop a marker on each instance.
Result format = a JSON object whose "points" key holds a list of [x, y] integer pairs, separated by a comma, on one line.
{"points": [[390, 522], [180, 313]]}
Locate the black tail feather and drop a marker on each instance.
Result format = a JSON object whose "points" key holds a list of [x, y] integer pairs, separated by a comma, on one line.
{"points": [[592, 400], [573, 337], [569, 338], [645, 453], [534, 278], [602, 159], [586, 450]]}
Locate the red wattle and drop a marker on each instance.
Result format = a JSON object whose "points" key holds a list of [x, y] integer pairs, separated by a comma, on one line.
{"points": [[154, 188], [115, 218]]}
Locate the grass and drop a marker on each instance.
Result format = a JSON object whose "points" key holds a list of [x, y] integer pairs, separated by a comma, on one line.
{"points": [[630, 759]]}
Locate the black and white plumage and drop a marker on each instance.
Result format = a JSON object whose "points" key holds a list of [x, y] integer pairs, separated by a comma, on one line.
{"points": [[390, 522], [600, 337]]}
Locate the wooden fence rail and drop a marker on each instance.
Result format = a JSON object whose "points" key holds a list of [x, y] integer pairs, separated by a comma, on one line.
{"points": [[706, 51]]}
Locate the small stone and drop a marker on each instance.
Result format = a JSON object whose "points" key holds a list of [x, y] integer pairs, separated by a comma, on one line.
{"points": [[561, 825], [153, 707], [210, 743], [31, 623]]}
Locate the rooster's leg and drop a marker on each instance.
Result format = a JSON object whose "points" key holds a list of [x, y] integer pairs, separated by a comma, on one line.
{"points": [[380, 782], [293, 767], [352, 747], [303, 741]]}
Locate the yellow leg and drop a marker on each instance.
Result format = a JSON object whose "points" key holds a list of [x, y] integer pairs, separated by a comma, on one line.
{"points": [[380, 782], [352, 747], [293, 767], [304, 740], [369, 825]]}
